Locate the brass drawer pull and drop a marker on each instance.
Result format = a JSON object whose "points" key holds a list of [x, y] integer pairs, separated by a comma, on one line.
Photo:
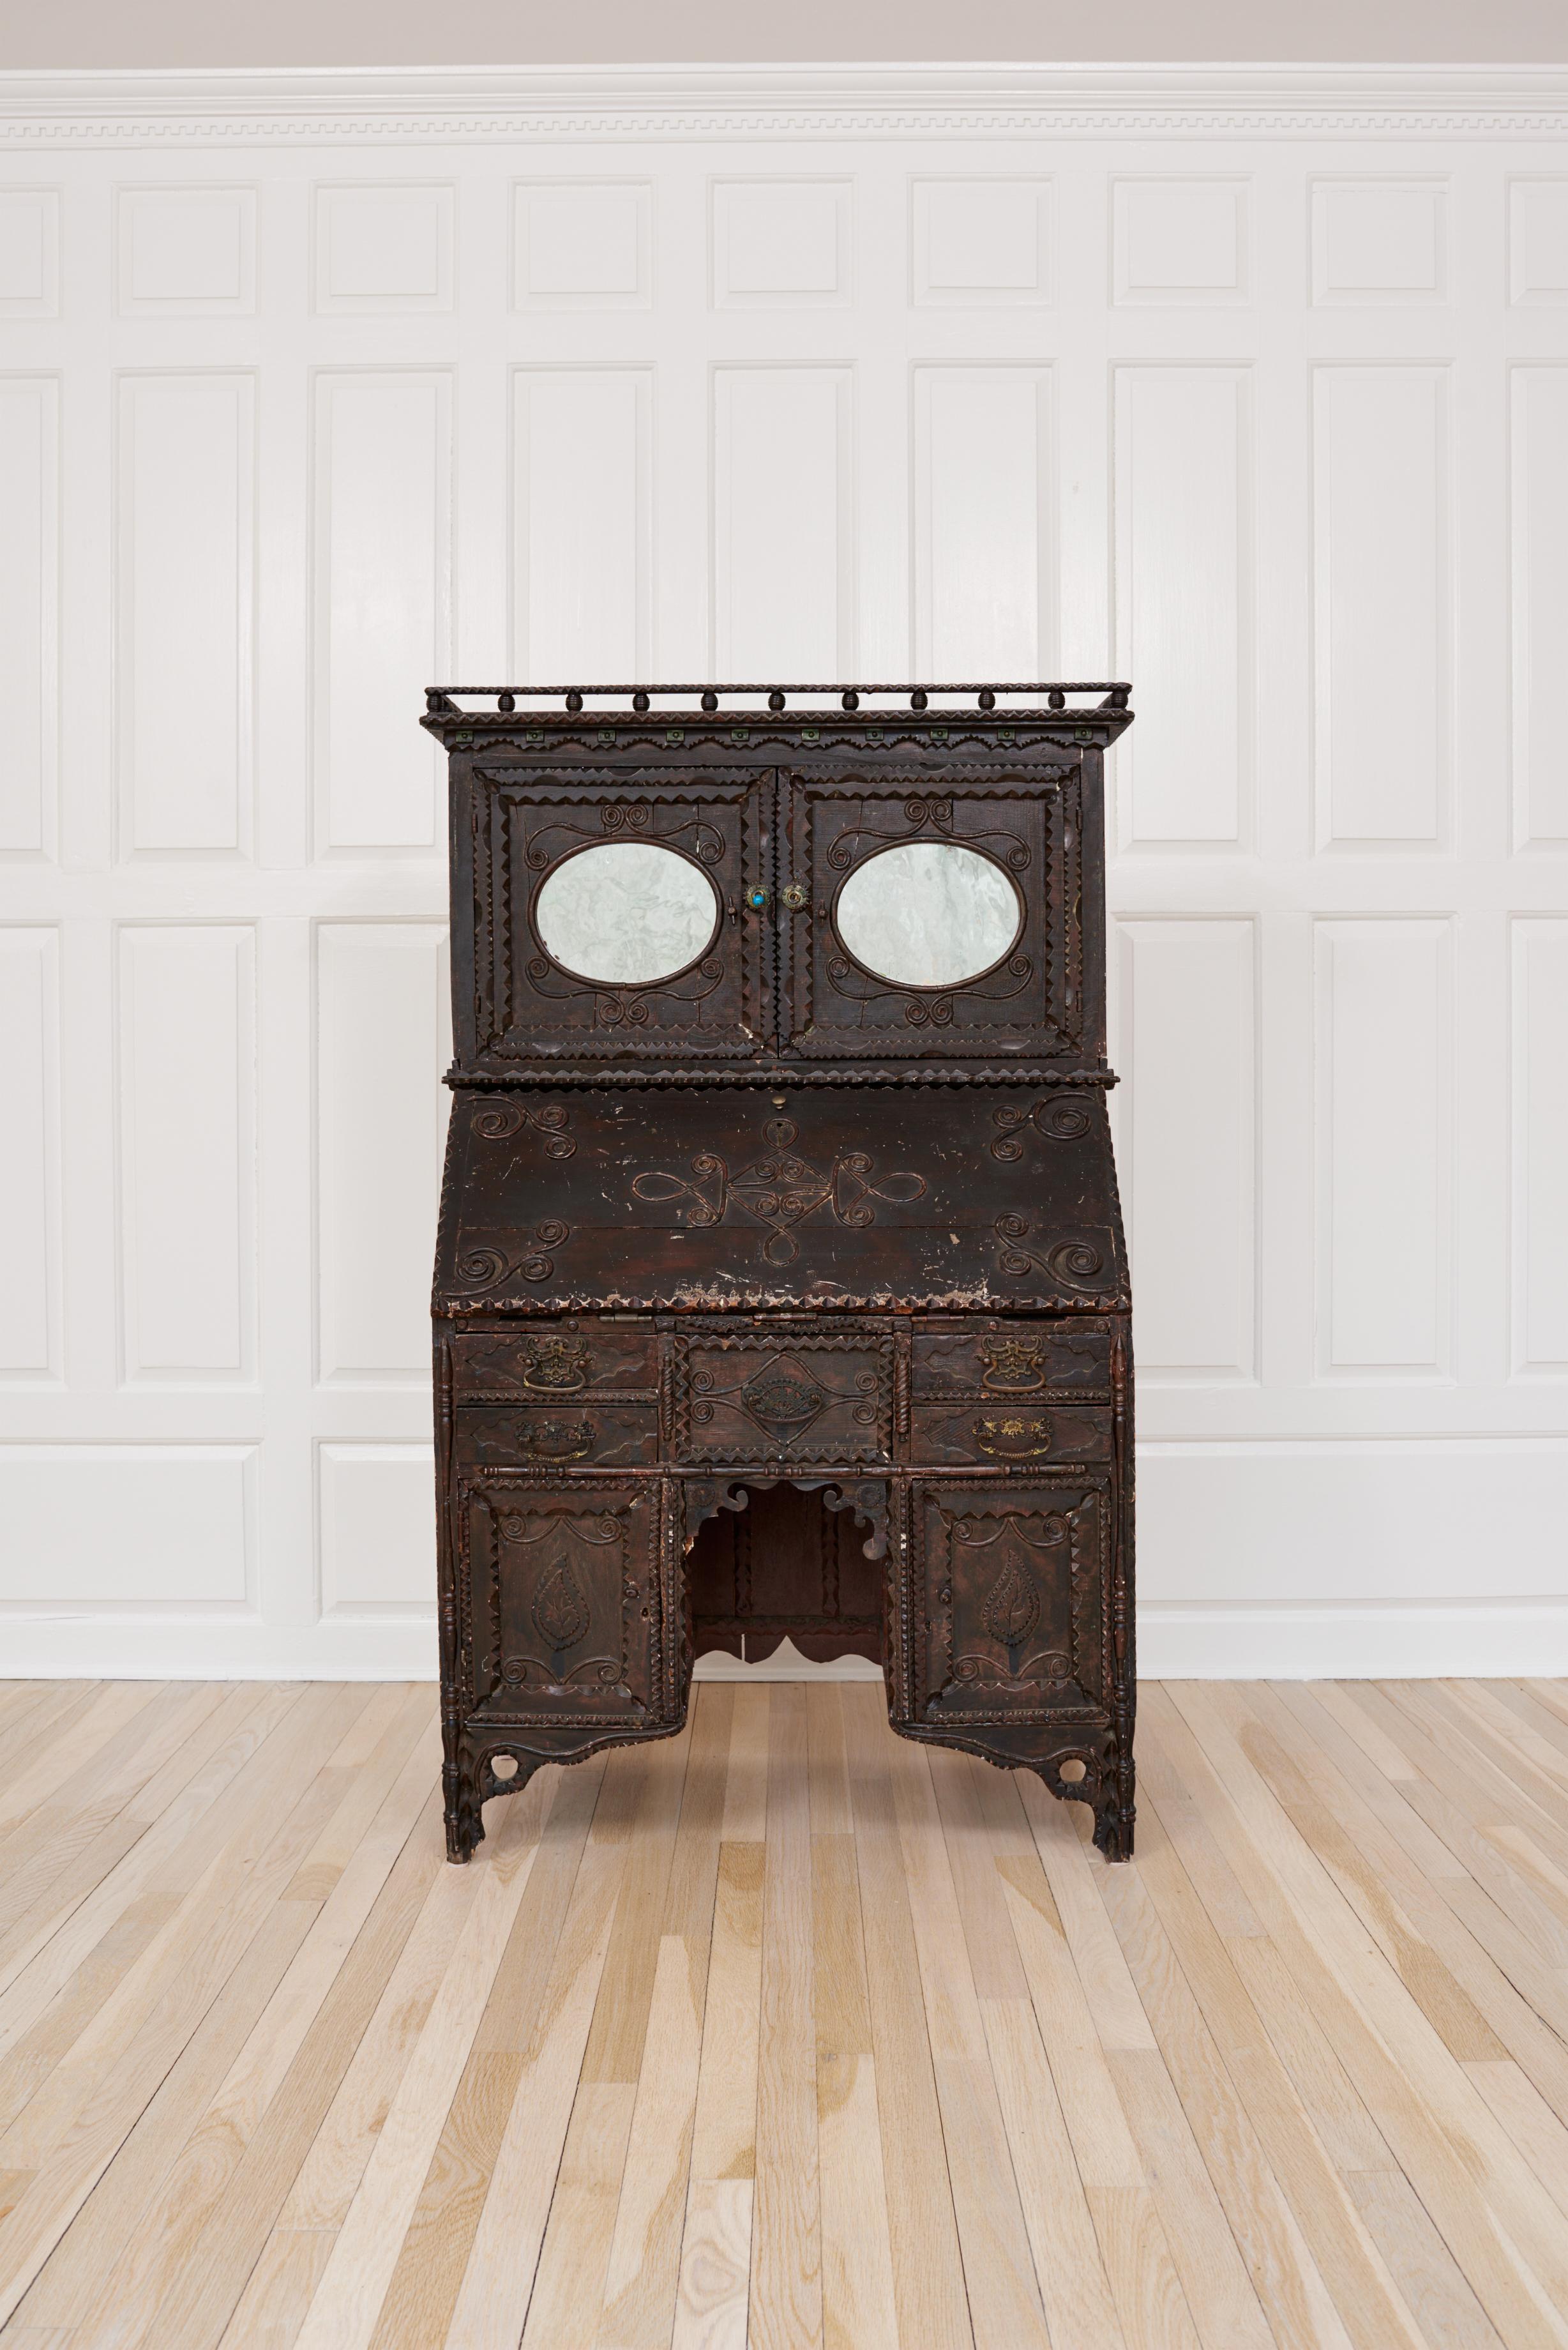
{"points": [[558, 1439], [1012, 1439]]}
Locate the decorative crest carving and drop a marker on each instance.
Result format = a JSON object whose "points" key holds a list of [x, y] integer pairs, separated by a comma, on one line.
{"points": [[780, 1190]]}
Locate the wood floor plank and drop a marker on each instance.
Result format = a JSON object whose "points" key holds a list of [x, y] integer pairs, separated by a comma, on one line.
{"points": [[45, 1954], [145, 2294], [857, 2298], [435, 2252], [927, 2266], [1442, 2135], [343, 2312], [783, 2031], [497, 2285], [149, 2044], [786, 2215], [642, 2282], [574, 2257]]}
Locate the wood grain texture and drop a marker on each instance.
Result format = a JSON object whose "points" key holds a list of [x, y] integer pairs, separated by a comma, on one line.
{"points": [[786, 2031]]}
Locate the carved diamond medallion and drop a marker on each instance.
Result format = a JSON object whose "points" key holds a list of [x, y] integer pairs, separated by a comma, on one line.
{"points": [[783, 1401]]}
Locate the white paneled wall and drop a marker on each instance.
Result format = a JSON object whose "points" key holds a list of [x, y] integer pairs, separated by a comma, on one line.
{"points": [[310, 396]]}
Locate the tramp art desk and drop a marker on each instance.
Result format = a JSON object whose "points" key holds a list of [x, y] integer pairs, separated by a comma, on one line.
{"points": [[781, 1285]]}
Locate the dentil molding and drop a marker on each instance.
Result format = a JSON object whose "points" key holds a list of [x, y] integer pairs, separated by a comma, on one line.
{"points": [[45, 110]]}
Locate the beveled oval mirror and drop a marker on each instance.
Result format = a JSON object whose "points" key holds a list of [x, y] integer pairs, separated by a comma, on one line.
{"points": [[627, 912], [928, 913]]}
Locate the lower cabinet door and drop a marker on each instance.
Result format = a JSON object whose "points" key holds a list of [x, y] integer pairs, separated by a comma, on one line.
{"points": [[564, 1593], [1009, 1597]]}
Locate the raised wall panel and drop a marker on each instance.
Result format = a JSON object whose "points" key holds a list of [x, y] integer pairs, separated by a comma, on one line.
{"points": [[29, 1157], [783, 522], [1184, 618], [187, 1150], [582, 526], [382, 498], [383, 249], [981, 244], [1379, 241], [984, 535], [29, 612], [1538, 465], [1189, 1155], [184, 611], [1541, 1145], [382, 1039], [187, 250], [29, 253], [1538, 242], [126, 1528], [1323, 1532], [582, 244], [377, 1516], [1383, 1098], [781, 244], [1382, 652], [1179, 241]]}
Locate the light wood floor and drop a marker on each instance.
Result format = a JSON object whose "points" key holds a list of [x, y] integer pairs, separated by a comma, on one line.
{"points": [[784, 2032]]}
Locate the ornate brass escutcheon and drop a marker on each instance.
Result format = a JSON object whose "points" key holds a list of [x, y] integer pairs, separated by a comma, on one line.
{"points": [[1012, 1366], [1013, 1440], [557, 1365], [558, 1439]]}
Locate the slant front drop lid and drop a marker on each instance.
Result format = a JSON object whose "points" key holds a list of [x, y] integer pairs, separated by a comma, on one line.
{"points": [[781, 1285]]}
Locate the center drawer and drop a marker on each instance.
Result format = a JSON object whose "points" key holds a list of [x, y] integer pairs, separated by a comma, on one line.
{"points": [[812, 1398]]}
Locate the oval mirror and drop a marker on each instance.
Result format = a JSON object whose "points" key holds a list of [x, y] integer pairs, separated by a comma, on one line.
{"points": [[627, 912], [928, 913]]}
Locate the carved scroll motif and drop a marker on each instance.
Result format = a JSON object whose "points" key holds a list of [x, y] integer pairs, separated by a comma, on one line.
{"points": [[780, 1191], [499, 1121], [485, 1268], [1074, 1263], [1062, 1120]]}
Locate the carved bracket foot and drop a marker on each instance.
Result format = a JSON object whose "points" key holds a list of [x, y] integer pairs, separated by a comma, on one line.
{"points": [[470, 1784]]}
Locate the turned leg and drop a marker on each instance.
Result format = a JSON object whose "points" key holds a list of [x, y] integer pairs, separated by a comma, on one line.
{"points": [[464, 1825], [1115, 1809]]}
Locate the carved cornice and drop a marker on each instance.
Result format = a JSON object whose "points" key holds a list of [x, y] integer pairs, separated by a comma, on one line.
{"points": [[45, 109]]}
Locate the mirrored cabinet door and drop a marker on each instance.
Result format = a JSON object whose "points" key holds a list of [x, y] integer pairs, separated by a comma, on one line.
{"points": [[920, 922], [620, 922]]}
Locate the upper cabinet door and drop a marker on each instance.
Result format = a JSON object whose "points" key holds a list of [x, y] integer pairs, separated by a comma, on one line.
{"points": [[935, 918], [614, 917]]}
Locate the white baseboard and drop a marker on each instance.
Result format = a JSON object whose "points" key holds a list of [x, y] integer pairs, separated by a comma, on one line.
{"points": [[1284, 1642], [1368, 1642]]}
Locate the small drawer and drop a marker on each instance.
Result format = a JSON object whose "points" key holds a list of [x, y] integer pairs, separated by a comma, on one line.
{"points": [[557, 1362], [1011, 1360], [811, 1399], [568, 1436], [1002, 1434]]}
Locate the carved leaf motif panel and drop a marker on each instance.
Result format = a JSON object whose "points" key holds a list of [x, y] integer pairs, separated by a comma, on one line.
{"points": [[1011, 1582], [716, 1006], [564, 1599], [1028, 1000]]}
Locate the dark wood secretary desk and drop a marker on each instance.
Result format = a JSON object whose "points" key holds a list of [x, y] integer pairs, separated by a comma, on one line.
{"points": [[781, 1282]]}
